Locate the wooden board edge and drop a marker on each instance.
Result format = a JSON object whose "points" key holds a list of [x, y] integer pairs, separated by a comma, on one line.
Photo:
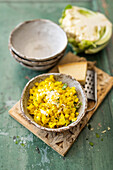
{"points": [[88, 118]]}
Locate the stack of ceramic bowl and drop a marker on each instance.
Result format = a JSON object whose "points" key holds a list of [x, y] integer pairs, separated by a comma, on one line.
{"points": [[37, 44]]}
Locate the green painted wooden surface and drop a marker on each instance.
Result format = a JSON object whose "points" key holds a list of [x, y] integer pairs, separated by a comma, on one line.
{"points": [[12, 77], [41, 1]]}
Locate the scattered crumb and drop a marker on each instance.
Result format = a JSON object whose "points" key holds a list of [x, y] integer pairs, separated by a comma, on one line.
{"points": [[92, 129], [99, 125], [37, 149], [23, 141], [26, 77], [104, 131], [14, 137], [22, 144], [109, 128], [64, 158], [97, 135], [89, 126], [91, 143]]}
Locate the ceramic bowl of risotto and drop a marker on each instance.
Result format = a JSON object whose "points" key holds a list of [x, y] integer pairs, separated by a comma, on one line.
{"points": [[38, 40], [53, 102]]}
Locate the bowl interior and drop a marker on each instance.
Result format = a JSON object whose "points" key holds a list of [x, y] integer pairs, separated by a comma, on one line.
{"points": [[58, 77], [38, 39]]}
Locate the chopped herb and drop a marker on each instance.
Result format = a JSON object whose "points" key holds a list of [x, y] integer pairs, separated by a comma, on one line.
{"points": [[51, 90], [16, 142], [102, 139], [56, 118], [78, 105], [58, 98], [97, 135], [71, 121], [22, 144], [18, 137], [64, 86], [91, 143]]}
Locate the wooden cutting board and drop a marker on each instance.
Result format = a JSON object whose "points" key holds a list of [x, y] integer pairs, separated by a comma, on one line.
{"points": [[61, 142]]}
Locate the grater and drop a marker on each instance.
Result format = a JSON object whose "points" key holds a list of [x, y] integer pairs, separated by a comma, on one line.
{"points": [[90, 87]]}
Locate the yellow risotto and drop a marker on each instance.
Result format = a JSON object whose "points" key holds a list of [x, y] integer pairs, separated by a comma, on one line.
{"points": [[53, 104]]}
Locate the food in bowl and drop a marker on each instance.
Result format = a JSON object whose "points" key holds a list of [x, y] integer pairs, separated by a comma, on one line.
{"points": [[52, 103], [65, 79], [87, 31]]}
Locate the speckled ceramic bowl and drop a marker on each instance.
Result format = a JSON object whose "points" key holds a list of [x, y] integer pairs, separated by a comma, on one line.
{"points": [[38, 40], [37, 68], [35, 63], [58, 77]]}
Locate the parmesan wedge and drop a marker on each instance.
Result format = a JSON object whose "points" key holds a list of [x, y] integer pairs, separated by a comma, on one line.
{"points": [[77, 70]]}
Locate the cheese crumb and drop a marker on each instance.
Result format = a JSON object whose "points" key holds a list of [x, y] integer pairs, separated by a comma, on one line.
{"points": [[109, 128], [104, 131]]}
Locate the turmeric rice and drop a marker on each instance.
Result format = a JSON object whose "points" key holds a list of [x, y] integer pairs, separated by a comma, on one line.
{"points": [[53, 104]]}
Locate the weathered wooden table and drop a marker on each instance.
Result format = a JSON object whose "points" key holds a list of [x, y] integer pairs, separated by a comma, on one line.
{"points": [[27, 152]]}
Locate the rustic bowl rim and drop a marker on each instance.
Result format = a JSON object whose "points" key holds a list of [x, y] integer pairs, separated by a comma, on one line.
{"points": [[36, 68], [30, 64], [10, 45], [53, 129], [34, 63]]}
